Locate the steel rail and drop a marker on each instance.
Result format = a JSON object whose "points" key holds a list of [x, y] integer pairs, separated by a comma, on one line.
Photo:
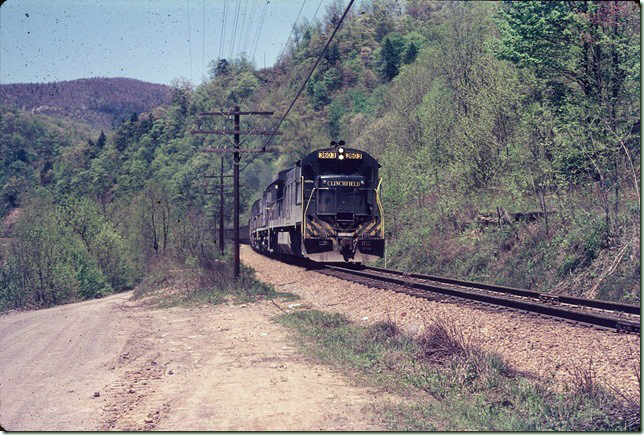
{"points": [[584, 302], [518, 304]]}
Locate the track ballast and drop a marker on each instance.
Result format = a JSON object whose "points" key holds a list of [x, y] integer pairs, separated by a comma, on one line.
{"points": [[593, 312]]}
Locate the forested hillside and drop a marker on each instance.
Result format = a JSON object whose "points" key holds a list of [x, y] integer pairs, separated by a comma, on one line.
{"points": [[100, 102], [508, 133]]}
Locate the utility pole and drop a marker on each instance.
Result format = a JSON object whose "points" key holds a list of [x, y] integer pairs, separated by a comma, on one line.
{"points": [[235, 114], [221, 209], [236, 196], [222, 237]]}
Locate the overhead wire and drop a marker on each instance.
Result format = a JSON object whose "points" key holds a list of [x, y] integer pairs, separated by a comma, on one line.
{"points": [[299, 92], [292, 28], [259, 30], [189, 40], [316, 11], [223, 26], [232, 43], [268, 141], [250, 25], [243, 25]]}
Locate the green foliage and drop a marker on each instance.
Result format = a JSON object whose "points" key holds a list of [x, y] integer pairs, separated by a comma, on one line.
{"points": [[336, 111], [392, 47], [46, 263], [28, 146], [398, 50], [91, 282], [472, 108], [466, 388], [320, 93]]}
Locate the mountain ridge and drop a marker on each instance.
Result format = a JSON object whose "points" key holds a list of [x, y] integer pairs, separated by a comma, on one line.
{"points": [[99, 101]]}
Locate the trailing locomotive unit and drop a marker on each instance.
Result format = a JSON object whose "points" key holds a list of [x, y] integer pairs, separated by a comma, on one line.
{"points": [[326, 207]]}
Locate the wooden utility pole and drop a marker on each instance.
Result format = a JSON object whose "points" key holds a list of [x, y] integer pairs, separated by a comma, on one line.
{"points": [[222, 243], [236, 114], [221, 209], [236, 197]]}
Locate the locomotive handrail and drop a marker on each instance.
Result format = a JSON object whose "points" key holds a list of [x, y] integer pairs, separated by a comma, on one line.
{"points": [[305, 210], [382, 216]]}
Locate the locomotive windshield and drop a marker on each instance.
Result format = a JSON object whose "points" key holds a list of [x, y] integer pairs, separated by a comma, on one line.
{"points": [[347, 167], [342, 200], [342, 194]]}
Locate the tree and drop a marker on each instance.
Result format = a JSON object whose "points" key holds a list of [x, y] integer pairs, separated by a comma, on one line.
{"points": [[100, 142], [410, 53], [221, 68], [392, 46], [584, 56]]}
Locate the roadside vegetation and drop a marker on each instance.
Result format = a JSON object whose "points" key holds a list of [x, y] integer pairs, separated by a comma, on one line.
{"points": [[453, 385], [510, 152], [206, 280]]}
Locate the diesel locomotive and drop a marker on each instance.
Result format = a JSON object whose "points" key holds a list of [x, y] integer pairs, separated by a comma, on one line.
{"points": [[326, 207]]}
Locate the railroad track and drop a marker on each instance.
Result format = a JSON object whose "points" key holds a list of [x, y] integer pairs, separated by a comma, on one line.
{"points": [[593, 312]]}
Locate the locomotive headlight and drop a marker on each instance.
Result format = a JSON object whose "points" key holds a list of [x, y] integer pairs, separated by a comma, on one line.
{"points": [[340, 150], [341, 157]]}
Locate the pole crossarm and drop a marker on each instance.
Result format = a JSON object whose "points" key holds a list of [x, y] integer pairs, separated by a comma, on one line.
{"points": [[237, 150], [213, 186], [205, 192], [236, 113], [259, 132]]}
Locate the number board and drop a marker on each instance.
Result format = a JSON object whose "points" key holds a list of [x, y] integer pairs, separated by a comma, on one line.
{"points": [[343, 183], [326, 155], [354, 156]]}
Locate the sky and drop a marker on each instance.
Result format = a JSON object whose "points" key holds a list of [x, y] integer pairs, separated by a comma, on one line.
{"points": [[151, 40]]}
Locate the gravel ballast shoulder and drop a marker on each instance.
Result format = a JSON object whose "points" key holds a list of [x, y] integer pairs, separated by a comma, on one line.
{"points": [[539, 346]]}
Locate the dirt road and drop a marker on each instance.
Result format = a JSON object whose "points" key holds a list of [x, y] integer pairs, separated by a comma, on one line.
{"points": [[113, 364]]}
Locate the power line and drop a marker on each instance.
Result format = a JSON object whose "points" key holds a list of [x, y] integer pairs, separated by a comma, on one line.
{"points": [[259, 29], [232, 44], [189, 41], [310, 73], [303, 84], [292, 28], [316, 11], [223, 26], [243, 24], [250, 25]]}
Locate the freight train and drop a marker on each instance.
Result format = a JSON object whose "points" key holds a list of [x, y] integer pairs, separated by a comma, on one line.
{"points": [[326, 207]]}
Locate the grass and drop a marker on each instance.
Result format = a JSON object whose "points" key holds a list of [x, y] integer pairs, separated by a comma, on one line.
{"points": [[210, 281], [575, 254], [452, 384]]}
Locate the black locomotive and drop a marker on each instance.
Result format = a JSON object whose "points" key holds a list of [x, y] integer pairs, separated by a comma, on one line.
{"points": [[326, 207]]}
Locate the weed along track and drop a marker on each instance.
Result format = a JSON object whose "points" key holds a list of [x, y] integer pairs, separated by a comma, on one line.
{"points": [[603, 314], [533, 344]]}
